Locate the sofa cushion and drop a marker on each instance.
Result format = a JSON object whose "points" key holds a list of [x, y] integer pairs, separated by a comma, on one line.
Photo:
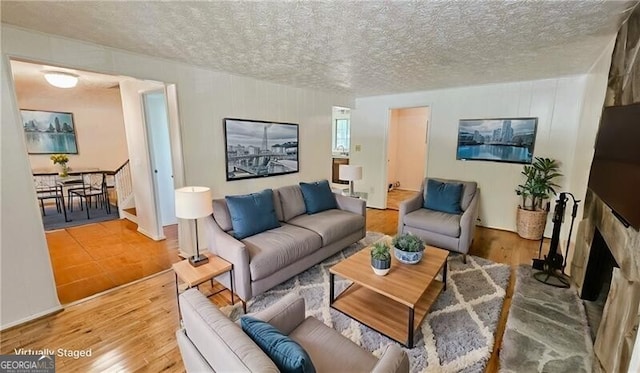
{"points": [[329, 350], [252, 213], [318, 196], [291, 201], [444, 197], [468, 191], [434, 221], [221, 214], [332, 225], [274, 249], [221, 342], [286, 353]]}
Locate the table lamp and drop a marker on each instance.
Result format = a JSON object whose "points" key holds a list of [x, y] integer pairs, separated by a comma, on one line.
{"points": [[350, 173], [193, 203]]}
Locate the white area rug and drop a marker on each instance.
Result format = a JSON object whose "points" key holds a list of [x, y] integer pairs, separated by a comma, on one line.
{"points": [[456, 336]]}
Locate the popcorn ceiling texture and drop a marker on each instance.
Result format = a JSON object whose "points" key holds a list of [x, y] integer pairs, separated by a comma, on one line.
{"points": [[362, 48]]}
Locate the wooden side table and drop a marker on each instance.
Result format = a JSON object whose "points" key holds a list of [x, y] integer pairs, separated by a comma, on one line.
{"points": [[195, 276]]}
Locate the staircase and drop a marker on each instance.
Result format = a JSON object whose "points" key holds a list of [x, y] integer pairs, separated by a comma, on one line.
{"points": [[124, 189]]}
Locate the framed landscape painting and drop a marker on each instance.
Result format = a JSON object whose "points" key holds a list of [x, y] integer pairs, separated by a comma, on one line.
{"points": [[49, 132], [500, 140], [260, 149]]}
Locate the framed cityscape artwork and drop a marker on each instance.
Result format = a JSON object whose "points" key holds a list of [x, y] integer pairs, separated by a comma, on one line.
{"points": [[500, 140], [255, 148], [49, 132]]}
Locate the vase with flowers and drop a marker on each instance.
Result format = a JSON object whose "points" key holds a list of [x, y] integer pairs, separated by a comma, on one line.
{"points": [[62, 160]]}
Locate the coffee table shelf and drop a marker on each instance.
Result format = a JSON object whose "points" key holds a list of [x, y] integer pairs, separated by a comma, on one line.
{"points": [[383, 314], [395, 304]]}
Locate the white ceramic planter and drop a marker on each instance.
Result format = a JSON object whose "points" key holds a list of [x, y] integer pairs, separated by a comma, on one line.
{"points": [[380, 272]]}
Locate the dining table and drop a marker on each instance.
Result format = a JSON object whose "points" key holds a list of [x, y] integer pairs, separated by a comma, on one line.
{"points": [[72, 180]]}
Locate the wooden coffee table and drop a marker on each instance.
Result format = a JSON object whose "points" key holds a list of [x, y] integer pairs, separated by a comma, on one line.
{"points": [[396, 304]]}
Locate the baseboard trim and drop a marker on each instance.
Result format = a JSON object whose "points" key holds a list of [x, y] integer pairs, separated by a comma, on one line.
{"points": [[35, 317], [152, 236]]}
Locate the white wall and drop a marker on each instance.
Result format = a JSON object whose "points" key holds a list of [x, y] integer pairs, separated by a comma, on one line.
{"points": [[556, 102], [27, 289], [97, 115], [205, 97]]}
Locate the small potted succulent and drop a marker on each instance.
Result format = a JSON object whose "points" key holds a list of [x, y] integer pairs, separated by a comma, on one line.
{"points": [[408, 248], [380, 258]]}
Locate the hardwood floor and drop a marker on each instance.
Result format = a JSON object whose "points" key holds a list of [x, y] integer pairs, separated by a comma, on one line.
{"points": [[92, 258], [395, 196], [132, 328]]}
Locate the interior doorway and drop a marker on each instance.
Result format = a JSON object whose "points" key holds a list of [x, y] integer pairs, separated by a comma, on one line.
{"points": [[111, 138], [406, 153], [157, 124]]}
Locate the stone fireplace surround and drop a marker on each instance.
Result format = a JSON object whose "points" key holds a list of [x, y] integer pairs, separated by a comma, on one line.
{"points": [[616, 335]]}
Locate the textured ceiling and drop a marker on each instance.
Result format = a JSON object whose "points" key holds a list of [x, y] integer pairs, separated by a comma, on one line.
{"points": [[29, 78], [363, 48]]}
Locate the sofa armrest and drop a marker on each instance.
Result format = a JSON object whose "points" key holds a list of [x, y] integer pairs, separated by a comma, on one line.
{"points": [[286, 314], [355, 205], [407, 206], [393, 360], [234, 252], [193, 361], [468, 223]]}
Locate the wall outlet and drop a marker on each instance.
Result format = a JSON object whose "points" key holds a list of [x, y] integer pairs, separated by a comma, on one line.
{"points": [[358, 147]]}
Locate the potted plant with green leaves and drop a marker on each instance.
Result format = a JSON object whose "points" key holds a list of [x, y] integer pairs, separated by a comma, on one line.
{"points": [[407, 248], [380, 258], [539, 184]]}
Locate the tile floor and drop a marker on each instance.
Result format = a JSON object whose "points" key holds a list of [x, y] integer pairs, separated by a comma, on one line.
{"points": [[92, 258]]}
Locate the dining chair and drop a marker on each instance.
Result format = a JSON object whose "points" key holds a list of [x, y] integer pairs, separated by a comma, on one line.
{"points": [[47, 188], [94, 187]]}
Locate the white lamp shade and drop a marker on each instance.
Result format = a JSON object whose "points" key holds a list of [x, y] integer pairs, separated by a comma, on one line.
{"points": [[193, 202], [61, 80], [350, 172]]}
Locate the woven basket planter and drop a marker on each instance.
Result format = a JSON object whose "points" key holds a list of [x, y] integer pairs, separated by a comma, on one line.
{"points": [[530, 224]]}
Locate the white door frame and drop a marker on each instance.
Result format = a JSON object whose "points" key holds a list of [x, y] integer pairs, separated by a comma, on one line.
{"points": [[385, 169], [175, 138], [152, 154]]}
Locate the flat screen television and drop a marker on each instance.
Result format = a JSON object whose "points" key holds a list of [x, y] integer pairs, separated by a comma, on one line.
{"points": [[615, 170], [498, 139]]}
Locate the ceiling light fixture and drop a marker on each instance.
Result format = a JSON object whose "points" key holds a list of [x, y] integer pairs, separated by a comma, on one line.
{"points": [[61, 80]]}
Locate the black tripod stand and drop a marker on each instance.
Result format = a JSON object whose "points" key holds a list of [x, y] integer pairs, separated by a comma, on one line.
{"points": [[553, 269]]}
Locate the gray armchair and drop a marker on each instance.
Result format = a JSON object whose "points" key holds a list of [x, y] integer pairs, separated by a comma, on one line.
{"points": [[453, 232], [211, 342]]}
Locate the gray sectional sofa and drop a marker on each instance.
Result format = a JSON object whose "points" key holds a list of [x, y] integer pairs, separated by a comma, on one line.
{"points": [[210, 342], [267, 259]]}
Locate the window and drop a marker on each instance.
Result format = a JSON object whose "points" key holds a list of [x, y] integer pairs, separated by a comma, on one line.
{"points": [[342, 136]]}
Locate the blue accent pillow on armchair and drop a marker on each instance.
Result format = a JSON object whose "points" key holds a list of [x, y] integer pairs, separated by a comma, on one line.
{"points": [[444, 197], [252, 213], [286, 353], [318, 196]]}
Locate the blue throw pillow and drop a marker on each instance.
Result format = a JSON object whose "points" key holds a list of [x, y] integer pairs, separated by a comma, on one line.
{"points": [[444, 197], [318, 196], [286, 353], [252, 213]]}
